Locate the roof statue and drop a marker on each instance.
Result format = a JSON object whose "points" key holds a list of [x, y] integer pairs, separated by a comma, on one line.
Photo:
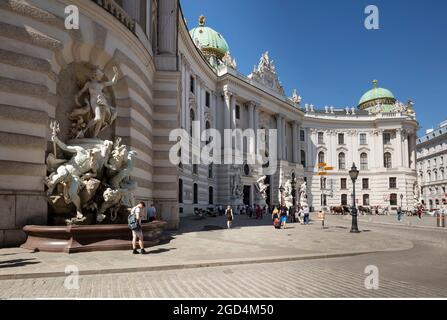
{"points": [[265, 74], [228, 61], [295, 98]]}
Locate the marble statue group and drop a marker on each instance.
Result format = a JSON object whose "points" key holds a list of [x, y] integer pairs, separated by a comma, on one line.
{"points": [[93, 174]]}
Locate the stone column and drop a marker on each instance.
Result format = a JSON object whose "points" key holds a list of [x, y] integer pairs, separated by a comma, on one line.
{"points": [[400, 147], [279, 135], [295, 142], [285, 139], [256, 125], [406, 154], [251, 122], [227, 110], [413, 151], [233, 111]]}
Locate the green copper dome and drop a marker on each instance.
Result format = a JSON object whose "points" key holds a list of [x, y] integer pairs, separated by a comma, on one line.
{"points": [[376, 95], [209, 40]]}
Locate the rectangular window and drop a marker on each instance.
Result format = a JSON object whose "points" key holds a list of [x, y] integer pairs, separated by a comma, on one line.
{"points": [[320, 137], [238, 112], [393, 183], [341, 138], [302, 135], [207, 99], [323, 183], [365, 183], [343, 184], [386, 138], [363, 139], [195, 168], [192, 84]]}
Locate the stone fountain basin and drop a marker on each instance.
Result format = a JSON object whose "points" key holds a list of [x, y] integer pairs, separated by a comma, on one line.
{"points": [[72, 239]]}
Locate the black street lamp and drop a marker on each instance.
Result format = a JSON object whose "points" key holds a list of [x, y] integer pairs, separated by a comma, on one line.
{"points": [[293, 184], [281, 190], [354, 173], [401, 197]]}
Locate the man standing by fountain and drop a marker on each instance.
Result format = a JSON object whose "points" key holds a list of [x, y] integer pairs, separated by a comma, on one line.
{"points": [[135, 225]]}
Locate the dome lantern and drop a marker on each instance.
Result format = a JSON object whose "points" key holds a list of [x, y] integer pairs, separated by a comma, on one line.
{"points": [[210, 42]]}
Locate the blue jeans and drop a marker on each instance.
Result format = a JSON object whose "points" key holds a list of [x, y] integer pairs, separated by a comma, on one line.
{"points": [[306, 218]]}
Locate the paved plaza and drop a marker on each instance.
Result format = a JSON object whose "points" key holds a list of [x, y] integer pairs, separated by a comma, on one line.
{"points": [[203, 259]]}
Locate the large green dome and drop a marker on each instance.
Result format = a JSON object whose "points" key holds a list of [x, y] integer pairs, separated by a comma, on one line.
{"points": [[375, 96], [209, 40]]}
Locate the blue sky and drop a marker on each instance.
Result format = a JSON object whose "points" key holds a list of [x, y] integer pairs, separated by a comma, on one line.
{"points": [[322, 48]]}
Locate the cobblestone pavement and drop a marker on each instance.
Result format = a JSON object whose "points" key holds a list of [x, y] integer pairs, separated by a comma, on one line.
{"points": [[250, 241], [413, 271], [278, 280]]}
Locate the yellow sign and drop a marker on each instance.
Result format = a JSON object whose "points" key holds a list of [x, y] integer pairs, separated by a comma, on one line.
{"points": [[322, 165], [322, 173], [328, 168]]}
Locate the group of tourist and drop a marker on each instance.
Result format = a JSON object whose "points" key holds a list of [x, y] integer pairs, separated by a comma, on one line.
{"points": [[281, 215]]}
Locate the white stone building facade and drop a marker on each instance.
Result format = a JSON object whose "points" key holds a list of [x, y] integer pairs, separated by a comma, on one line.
{"points": [[431, 166], [170, 75]]}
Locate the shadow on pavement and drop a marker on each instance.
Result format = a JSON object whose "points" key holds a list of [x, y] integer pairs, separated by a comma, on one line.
{"points": [[17, 263], [162, 250]]}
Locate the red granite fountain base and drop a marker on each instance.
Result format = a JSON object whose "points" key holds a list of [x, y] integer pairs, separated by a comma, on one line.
{"points": [[72, 239]]}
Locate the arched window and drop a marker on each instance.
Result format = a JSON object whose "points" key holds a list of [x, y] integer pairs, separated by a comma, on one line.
{"points": [[320, 157], [180, 190], [210, 195], [191, 120], [303, 158], [387, 160], [428, 176], [363, 161], [195, 193], [341, 161], [393, 199], [344, 199], [366, 199]]}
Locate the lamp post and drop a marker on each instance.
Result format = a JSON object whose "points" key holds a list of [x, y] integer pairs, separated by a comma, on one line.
{"points": [[354, 173], [293, 184], [401, 197], [281, 190]]}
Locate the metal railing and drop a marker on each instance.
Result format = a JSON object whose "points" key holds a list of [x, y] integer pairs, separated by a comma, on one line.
{"points": [[115, 10]]}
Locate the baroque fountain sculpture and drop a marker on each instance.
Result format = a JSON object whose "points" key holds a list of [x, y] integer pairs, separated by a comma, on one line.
{"points": [[93, 175]]}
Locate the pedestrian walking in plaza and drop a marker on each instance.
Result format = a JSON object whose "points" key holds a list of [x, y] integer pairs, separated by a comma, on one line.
{"points": [[283, 217], [152, 213], [134, 222], [275, 213], [419, 212], [399, 213], [229, 216], [306, 214], [296, 214]]}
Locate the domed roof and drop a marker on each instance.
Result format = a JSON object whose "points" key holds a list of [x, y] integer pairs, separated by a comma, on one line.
{"points": [[209, 40], [376, 95]]}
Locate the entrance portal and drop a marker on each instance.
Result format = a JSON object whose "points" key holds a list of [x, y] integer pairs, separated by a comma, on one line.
{"points": [[247, 192]]}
